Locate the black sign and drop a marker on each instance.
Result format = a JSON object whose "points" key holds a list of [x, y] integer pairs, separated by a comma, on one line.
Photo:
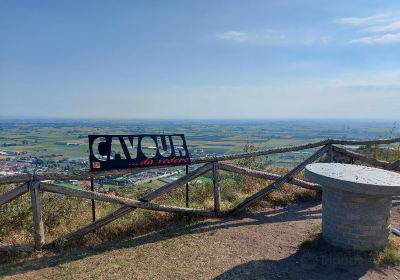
{"points": [[131, 151]]}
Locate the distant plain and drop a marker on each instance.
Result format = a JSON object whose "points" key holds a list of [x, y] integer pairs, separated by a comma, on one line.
{"points": [[38, 137]]}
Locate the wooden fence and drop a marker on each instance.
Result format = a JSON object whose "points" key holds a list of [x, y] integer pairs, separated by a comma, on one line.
{"points": [[34, 185]]}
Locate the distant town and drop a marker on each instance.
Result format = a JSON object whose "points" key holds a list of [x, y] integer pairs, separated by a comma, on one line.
{"points": [[15, 162], [37, 146]]}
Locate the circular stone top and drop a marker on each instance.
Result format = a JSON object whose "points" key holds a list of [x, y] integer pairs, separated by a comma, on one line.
{"points": [[354, 178]]}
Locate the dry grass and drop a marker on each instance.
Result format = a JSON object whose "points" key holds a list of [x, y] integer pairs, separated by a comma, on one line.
{"points": [[313, 235], [390, 255], [66, 214]]}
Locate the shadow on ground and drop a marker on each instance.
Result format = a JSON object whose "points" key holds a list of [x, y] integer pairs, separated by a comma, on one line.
{"points": [[317, 260], [296, 212]]}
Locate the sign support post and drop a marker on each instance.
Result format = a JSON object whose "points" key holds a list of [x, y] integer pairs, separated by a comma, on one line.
{"points": [[93, 202], [187, 187]]}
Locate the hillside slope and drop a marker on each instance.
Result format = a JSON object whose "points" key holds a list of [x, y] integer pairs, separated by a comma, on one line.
{"points": [[262, 245]]}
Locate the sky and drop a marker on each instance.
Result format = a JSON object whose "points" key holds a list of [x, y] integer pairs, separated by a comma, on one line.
{"points": [[200, 59]]}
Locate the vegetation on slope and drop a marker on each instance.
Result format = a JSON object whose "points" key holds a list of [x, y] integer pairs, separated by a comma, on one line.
{"points": [[66, 214]]}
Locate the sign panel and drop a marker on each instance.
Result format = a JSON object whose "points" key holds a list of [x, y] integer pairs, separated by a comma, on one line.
{"points": [[142, 150]]}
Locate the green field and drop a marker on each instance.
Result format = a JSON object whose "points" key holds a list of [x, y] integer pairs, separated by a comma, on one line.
{"points": [[38, 137]]}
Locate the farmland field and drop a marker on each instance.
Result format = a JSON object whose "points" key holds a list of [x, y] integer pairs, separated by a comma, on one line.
{"points": [[42, 138]]}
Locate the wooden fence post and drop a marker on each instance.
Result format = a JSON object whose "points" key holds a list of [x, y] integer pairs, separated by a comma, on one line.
{"points": [[329, 154], [93, 202], [37, 214], [217, 198], [187, 186]]}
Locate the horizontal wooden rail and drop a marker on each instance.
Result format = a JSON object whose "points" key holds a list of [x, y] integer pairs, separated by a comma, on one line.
{"points": [[122, 200], [90, 227], [15, 179], [263, 152], [268, 176], [280, 182], [211, 163], [16, 247], [366, 159], [395, 165], [126, 209], [13, 194], [366, 142], [71, 175], [180, 182], [294, 148], [86, 173]]}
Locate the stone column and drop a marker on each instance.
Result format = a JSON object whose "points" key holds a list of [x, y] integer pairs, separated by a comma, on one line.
{"points": [[356, 203], [355, 221]]}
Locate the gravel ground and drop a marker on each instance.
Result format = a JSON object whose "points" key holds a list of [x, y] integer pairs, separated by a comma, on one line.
{"points": [[261, 245]]}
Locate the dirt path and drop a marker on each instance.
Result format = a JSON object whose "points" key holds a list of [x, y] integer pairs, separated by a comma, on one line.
{"points": [[263, 245]]}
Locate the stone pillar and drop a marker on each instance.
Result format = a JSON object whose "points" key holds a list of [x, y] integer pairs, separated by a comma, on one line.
{"points": [[355, 221]]}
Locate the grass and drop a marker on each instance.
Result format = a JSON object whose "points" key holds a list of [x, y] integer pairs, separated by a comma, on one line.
{"points": [[314, 234], [390, 255], [64, 214]]}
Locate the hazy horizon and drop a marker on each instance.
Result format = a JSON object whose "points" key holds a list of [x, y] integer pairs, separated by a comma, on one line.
{"points": [[94, 119], [200, 60]]}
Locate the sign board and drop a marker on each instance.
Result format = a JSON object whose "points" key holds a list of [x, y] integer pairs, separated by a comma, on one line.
{"points": [[132, 151]]}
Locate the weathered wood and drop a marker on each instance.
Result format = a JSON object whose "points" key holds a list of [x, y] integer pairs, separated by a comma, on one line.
{"points": [[15, 179], [91, 227], [122, 200], [280, 182], [180, 182], [262, 153], [366, 142], [86, 173], [37, 215], [72, 175], [90, 173], [393, 165], [187, 187], [216, 186], [95, 225], [267, 175], [92, 201], [126, 209], [16, 247], [13, 194], [329, 154], [366, 159]]}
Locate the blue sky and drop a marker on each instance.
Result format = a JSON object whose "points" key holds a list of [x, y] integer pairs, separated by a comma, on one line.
{"points": [[200, 59]]}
